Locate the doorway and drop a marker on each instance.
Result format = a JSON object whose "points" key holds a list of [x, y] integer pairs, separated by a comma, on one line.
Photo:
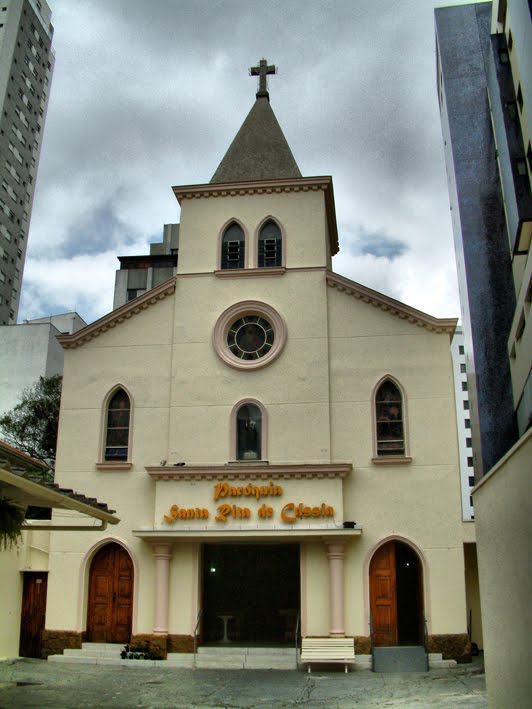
{"points": [[396, 595], [110, 606], [33, 613], [256, 588]]}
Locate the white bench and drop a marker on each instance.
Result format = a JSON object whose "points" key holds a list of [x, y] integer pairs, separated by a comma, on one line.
{"points": [[325, 650]]}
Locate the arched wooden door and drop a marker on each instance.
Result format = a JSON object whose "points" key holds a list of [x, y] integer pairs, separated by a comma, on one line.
{"points": [[396, 595], [110, 606]]}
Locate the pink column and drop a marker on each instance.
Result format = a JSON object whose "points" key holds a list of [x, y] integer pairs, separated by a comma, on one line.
{"points": [[336, 556], [162, 553]]}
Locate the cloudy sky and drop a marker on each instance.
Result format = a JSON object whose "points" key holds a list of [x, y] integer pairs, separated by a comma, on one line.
{"points": [[146, 95]]}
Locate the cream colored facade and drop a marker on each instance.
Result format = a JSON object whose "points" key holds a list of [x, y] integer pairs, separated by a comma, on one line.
{"points": [[318, 417]]}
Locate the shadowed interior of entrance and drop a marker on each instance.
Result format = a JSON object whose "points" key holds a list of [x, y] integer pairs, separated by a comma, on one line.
{"points": [[256, 589]]}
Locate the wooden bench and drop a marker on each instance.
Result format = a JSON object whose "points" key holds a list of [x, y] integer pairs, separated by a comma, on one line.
{"points": [[325, 650]]}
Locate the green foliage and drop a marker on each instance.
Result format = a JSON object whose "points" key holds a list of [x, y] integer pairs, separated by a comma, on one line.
{"points": [[31, 426], [11, 520]]}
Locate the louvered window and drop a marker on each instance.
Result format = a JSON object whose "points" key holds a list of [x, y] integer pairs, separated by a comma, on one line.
{"points": [[270, 246], [233, 247]]}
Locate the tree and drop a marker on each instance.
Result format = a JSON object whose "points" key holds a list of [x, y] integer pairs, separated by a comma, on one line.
{"points": [[31, 426]]}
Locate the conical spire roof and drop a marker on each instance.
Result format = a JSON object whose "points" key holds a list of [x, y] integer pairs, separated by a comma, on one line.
{"points": [[259, 150]]}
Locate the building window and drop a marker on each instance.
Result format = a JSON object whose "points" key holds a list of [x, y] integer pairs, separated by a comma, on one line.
{"points": [[464, 386], [270, 246], [117, 427], [233, 247], [462, 369], [249, 433], [466, 405], [249, 335], [389, 420], [461, 349], [468, 442], [467, 423], [520, 165], [469, 461], [520, 97]]}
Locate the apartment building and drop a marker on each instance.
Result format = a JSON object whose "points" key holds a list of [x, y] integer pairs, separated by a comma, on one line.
{"points": [[26, 66]]}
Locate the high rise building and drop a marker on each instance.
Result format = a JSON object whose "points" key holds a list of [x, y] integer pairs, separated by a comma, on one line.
{"points": [[484, 56], [26, 65], [484, 89]]}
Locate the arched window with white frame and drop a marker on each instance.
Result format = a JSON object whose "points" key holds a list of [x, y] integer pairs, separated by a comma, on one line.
{"points": [[390, 436], [117, 427], [270, 246], [233, 247]]}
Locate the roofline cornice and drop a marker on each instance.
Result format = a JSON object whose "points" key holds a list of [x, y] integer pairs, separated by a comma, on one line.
{"points": [[245, 471], [292, 184], [395, 307], [117, 316]]}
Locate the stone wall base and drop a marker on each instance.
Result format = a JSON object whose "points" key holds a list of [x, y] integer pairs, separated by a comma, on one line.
{"points": [[362, 645], [155, 643], [452, 647], [180, 643], [55, 641]]}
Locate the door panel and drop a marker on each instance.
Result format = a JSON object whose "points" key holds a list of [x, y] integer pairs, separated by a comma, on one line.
{"points": [[383, 595], [110, 596], [33, 613]]}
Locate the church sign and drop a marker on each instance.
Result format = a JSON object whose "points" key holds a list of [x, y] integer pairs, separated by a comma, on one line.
{"points": [[243, 502]]}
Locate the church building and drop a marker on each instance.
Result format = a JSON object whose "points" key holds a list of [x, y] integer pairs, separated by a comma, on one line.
{"points": [[279, 442]]}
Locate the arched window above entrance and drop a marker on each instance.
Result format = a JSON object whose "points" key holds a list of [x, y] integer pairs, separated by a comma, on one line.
{"points": [[248, 431], [390, 422], [233, 247], [117, 427], [270, 246]]}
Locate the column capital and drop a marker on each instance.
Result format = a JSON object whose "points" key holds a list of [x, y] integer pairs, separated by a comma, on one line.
{"points": [[335, 550], [162, 550]]}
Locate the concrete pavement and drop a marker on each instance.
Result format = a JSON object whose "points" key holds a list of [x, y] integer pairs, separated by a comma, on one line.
{"points": [[28, 684]]}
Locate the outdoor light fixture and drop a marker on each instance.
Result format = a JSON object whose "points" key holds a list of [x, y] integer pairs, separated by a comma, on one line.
{"points": [[213, 569]]}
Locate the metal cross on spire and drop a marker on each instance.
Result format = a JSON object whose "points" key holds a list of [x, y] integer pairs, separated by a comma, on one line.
{"points": [[262, 71]]}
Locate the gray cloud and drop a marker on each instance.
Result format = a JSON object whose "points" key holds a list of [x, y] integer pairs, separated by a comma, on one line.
{"points": [[379, 246], [149, 95]]}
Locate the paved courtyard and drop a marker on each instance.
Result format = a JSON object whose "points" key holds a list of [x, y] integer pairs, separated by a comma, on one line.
{"points": [[34, 684]]}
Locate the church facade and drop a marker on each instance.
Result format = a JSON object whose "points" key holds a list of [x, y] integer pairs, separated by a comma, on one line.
{"points": [[279, 442]]}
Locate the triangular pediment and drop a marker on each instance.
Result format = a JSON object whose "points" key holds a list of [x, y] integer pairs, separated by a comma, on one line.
{"points": [[115, 317], [390, 305]]}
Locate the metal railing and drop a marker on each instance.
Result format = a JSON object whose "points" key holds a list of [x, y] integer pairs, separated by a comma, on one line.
{"points": [[198, 621], [298, 621]]}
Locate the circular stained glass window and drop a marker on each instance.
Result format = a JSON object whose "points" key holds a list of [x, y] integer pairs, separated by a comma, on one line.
{"points": [[250, 337]]}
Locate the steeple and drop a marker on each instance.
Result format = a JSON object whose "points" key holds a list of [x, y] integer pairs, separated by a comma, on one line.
{"points": [[259, 150]]}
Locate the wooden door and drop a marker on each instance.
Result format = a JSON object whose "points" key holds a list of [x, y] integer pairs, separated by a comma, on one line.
{"points": [[110, 596], [383, 595], [33, 613]]}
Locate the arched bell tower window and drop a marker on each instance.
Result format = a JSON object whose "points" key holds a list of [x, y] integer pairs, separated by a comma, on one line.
{"points": [[233, 247], [117, 427], [270, 246], [389, 420]]}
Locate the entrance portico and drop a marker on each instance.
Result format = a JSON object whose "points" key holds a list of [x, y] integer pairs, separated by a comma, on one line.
{"points": [[164, 546], [247, 522]]}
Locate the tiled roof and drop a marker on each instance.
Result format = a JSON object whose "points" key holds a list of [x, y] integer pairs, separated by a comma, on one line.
{"points": [[259, 151], [22, 481]]}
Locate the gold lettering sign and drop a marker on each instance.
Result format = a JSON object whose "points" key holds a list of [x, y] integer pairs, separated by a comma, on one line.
{"points": [[249, 490], [190, 513], [291, 513]]}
